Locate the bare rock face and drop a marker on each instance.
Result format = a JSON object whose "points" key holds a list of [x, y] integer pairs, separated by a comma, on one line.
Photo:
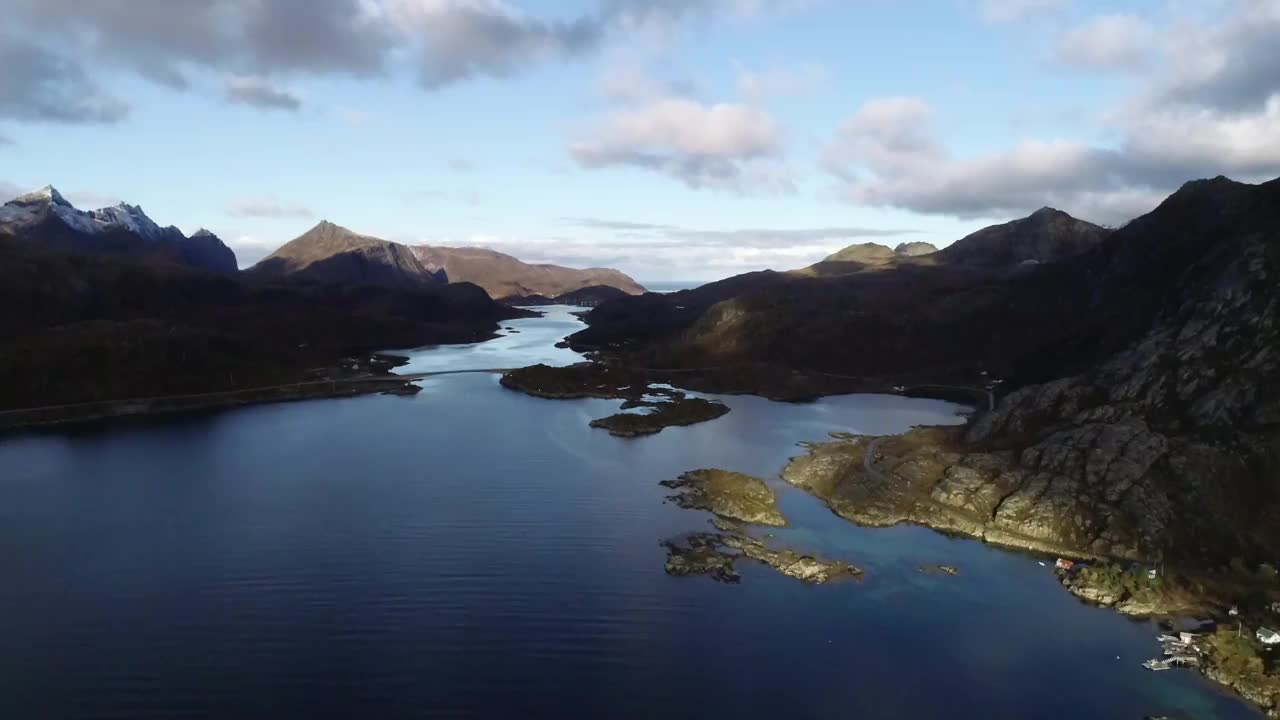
{"points": [[729, 495]]}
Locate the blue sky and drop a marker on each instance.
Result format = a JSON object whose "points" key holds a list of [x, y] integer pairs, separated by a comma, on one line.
{"points": [[675, 139]]}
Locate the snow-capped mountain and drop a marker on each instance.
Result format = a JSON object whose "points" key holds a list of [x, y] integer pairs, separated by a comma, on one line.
{"points": [[46, 216]]}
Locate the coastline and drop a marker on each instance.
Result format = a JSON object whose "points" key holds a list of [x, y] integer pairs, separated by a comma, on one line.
{"points": [[64, 415], [870, 488]]}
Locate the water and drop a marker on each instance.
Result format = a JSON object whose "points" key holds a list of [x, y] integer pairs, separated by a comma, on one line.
{"points": [[476, 552]]}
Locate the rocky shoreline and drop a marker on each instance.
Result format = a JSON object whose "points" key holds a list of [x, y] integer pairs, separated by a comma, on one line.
{"points": [[929, 477]]}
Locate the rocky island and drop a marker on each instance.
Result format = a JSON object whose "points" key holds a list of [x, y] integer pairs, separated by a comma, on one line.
{"points": [[662, 406]]}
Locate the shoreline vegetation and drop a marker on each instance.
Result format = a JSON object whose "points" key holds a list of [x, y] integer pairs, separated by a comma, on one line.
{"points": [[350, 378]]}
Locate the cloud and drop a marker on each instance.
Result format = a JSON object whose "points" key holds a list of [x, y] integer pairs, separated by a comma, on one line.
{"points": [[650, 257], [250, 249], [166, 41], [1109, 42], [162, 38], [464, 38], [1232, 65], [1007, 11], [460, 165], [907, 166], [760, 238], [723, 145], [260, 93], [38, 85], [1175, 128], [266, 207], [6, 140]]}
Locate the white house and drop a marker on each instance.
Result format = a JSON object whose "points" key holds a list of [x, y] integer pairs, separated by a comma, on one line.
{"points": [[1268, 637]]}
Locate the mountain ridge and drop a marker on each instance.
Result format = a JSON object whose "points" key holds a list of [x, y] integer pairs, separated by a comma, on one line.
{"points": [[506, 276], [45, 216]]}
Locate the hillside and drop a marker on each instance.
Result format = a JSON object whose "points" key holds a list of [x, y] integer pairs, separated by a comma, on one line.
{"points": [[1047, 235], [80, 327], [332, 254], [1142, 414], [504, 276]]}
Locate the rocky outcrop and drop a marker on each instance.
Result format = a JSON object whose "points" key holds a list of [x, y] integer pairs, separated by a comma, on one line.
{"points": [[717, 554], [647, 408], [729, 495]]}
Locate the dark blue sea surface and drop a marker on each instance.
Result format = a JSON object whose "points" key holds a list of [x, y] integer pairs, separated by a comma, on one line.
{"points": [[475, 552]]}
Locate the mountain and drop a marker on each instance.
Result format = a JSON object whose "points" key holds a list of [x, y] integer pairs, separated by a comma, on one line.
{"points": [[865, 253], [46, 217], [1047, 235], [504, 276], [332, 254], [1140, 415], [81, 327], [914, 249]]}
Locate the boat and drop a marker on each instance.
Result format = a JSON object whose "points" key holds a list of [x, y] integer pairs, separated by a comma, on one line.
{"points": [[1156, 665]]}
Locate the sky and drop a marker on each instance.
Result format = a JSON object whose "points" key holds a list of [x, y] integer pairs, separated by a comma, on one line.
{"points": [[673, 139]]}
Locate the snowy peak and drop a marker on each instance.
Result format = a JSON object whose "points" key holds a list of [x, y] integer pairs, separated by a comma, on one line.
{"points": [[47, 195], [46, 216], [129, 217]]}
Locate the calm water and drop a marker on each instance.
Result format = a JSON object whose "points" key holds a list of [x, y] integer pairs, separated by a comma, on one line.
{"points": [[475, 552]]}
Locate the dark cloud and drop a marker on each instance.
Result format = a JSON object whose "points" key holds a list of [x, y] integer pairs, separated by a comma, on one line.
{"points": [[159, 37], [260, 93], [461, 39], [38, 85]]}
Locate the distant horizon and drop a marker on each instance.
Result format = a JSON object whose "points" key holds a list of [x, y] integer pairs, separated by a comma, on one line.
{"points": [[721, 135]]}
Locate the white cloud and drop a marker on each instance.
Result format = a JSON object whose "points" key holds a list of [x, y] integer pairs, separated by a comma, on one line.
{"points": [[1179, 126], [1109, 42], [1006, 11], [721, 145]]}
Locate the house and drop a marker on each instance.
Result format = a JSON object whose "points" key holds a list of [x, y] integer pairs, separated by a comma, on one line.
{"points": [[1268, 637], [1186, 637], [1064, 564]]}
